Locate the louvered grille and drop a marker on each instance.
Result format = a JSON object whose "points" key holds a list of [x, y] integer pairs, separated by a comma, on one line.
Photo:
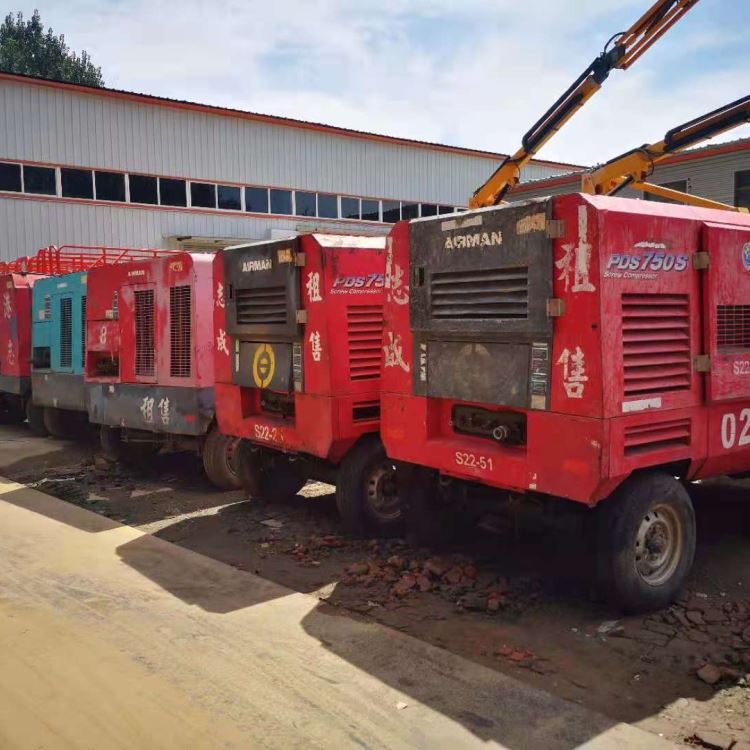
{"points": [[365, 337], [261, 305], [655, 343], [66, 332], [83, 331], [366, 411], [656, 436], [144, 332], [179, 332], [733, 327], [494, 293]]}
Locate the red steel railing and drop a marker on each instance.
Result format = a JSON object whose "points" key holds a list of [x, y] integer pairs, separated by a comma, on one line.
{"points": [[53, 260]]}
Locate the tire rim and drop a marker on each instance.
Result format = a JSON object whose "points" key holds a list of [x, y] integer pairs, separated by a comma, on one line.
{"points": [[658, 545], [381, 492]]}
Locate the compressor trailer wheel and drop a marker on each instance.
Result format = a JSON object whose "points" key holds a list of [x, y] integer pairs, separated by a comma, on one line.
{"points": [[646, 542]]}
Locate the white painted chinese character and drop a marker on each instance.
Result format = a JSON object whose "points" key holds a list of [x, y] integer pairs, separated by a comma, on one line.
{"points": [[103, 335], [394, 278], [164, 410], [313, 287], [220, 295], [7, 306], [11, 353], [221, 341], [394, 353], [574, 372], [315, 347], [147, 409], [576, 259]]}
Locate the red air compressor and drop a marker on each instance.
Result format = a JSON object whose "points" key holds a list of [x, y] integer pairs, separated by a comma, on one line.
{"points": [[17, 277], [150, 363], [299, 326], [15, 351], [586, 348]]}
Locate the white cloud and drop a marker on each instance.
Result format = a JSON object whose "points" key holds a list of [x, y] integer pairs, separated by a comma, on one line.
{"points": [[468, 73]]}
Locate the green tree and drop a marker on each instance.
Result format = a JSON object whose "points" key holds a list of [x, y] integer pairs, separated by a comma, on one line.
{"points": [[26, 48]]}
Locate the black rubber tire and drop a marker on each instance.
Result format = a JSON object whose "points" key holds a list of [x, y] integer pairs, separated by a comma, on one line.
{"points": [[267, 475], [618, 520], [219, 460], [115, 449], [35, 419], [11, 410], [58, 422], [360, 473]]}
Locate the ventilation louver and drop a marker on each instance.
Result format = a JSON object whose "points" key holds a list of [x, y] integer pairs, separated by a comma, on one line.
{"points": [[365, 339], [491, 294], [66, 332], [144, 333], [179, 332], [655, 343], [261, 305]]}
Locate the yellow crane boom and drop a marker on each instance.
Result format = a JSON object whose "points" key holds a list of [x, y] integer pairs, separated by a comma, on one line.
{"points": [[633, 167], [620, 52]]}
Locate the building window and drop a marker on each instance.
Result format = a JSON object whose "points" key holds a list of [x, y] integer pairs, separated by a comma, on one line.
{"points": [[39, 180], [256, 200], [349, 208], [10, 177], [410, 210], [445, 210], [281, 202], [77, 183], [742, 189], [229, 198], [110, 186], [172, 192], [680, 185], [370, 210], [304, 204], [391, 212], [143, 189], [202, 195], [328, 206]]}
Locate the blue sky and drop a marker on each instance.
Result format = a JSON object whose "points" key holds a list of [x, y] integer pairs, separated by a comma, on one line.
{"points": [[468, 73]]}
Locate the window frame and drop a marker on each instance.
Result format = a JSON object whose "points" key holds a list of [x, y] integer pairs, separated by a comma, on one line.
{"points": [[55, 175], [202, 184], [125, 194], [185, 188], [738, 174], [89, 172], [20, 176]]}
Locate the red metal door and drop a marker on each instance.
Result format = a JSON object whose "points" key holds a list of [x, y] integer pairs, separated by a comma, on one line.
{"points": [[137, 332], [726, 311]]}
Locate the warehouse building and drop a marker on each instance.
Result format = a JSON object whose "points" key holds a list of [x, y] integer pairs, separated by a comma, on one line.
{"points": [[720, 172], [88, 166]]}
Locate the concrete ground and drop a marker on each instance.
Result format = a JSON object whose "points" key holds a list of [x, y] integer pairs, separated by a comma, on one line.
{"points": [[113, 638]]}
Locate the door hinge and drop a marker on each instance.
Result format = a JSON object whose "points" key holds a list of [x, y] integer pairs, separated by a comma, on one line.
{"points": [[301, 317], [555, 307], [300, 259], [555, 228], [702, 363], [701, 261]]}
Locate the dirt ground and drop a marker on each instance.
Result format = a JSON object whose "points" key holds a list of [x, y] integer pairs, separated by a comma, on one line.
{"points": [[518, 601]]}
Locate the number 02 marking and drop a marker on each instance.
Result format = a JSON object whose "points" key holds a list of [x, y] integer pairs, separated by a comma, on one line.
{"points": [[729, 429]]}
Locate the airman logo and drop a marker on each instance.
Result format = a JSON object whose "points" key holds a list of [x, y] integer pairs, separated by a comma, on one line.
{"points": [[264, 365], [746, 256]]}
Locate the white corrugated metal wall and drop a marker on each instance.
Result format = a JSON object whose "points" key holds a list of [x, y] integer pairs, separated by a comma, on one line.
{"points": [[58, 126]]}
